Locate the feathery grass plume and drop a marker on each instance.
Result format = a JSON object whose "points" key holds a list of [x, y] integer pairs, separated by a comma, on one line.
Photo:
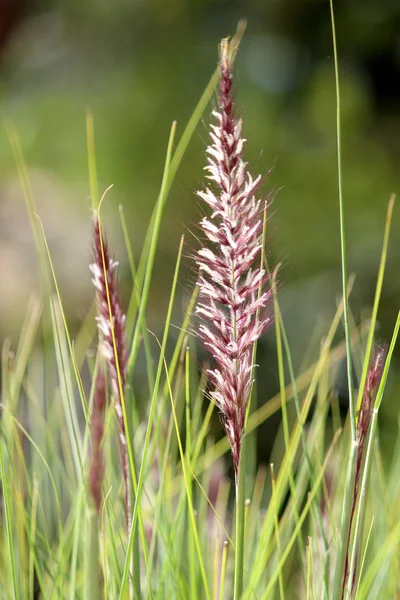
{"points": [[96, 473], [374, 376], [111, 324], [232, 311]]}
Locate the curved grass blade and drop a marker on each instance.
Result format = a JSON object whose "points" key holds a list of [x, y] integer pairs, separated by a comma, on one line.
{"points": [[151, 419]]}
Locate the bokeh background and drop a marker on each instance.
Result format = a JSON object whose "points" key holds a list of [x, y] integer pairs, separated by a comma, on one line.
{"points": [[140, 64]]}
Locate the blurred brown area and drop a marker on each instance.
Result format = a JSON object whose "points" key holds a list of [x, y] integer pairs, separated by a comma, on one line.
{"points": [[11, 12]]}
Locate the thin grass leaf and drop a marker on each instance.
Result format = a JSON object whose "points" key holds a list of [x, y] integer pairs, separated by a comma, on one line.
{"points": [[303, 515], [283, 476], [152, 252], [177, 157], [152, 412], [91, 154], [191, 510], [364, 556], [32, 540], [136, 295], [64, 320], [360, 517], [378, 290], [343, 250], [277, 532], [8, 523]]}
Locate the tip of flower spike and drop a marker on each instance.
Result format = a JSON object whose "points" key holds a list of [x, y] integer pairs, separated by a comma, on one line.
{"points": [[224, 54], [228, 48]]}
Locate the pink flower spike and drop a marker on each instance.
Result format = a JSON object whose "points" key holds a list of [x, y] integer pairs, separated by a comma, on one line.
{"points": [[233, 310]]}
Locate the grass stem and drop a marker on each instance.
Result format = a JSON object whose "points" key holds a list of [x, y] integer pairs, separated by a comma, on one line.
{"points": [[345, 524], [93, 586], [240, 518]]}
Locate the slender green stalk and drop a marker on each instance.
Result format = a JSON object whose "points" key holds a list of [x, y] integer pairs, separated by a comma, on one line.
{"points": [[309, 569], [33, 516], [188, 451], [216, 567], [360, 520], [8, 521], [362, 503], [364, 555], [66, 330], [136, 296], [30, 203], [76, 538], [345, 523], [378, 290], [93, 585], [305, 511], [285, 421], [277, 531], [175, 162], [94, 190], [343, 234], [189, 499], [281, 331], [223, 571], [267, 529], [381, 558], [152, 252], [240, 518], [143, 465], [352, 462]]}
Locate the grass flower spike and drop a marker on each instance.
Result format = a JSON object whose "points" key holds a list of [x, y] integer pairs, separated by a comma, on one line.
{"points": [[232, 310], [373, 380], [111, 324]]}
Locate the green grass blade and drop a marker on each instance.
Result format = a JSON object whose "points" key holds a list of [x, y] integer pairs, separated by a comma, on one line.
{"points": [[377, 298], [303, 515], [190, 503], [91, 154], [8, 522], [239, 513], [66, 330], [343, 233], [150, 419], [152, 252], [188, 454], [136, 296]]}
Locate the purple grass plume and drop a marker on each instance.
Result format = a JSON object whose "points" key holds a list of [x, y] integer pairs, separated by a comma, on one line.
{"points": [[96, 473], [373, 380], [111, 324], [233, 306]]}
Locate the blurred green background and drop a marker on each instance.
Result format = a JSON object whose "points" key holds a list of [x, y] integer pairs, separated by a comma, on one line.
{"points": [[140, 64]]}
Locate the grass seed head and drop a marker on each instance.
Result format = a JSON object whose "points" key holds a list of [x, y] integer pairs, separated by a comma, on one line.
{"points": [[234, 301]]}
